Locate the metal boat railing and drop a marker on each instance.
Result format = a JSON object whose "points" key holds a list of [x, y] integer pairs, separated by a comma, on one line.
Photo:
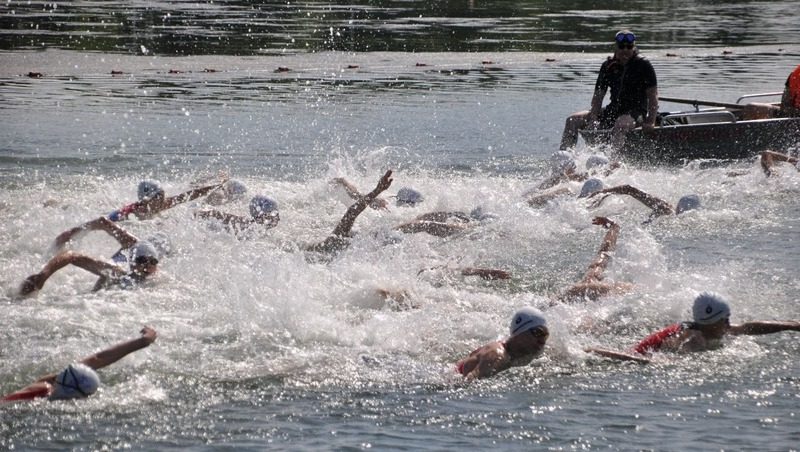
{"points": [[750, 96], [702, 117]]}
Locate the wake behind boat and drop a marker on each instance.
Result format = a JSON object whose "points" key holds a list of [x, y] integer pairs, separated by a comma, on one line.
{"points": [[719, 132]]}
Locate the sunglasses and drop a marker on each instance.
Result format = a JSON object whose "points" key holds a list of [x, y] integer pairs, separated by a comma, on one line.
{"points": [[625, 37], [146, 260]]}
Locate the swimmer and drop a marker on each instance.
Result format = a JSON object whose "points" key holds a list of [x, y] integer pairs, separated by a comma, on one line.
{"points": [[526, 341], [768, 159], [231, 191], [79, 380], [658, 206], [142, 265], [711, 322], [340, 237], [589, 187], [592, 285], [126, 240], [152, 200], [563, 169], [263, 211], [444, 223], [352, 192]]}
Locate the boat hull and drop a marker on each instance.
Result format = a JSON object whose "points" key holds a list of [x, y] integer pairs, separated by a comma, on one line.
{"points": [[723, 140]]}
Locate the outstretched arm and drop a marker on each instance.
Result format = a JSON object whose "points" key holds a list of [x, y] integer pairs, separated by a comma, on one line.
{"points": [[598, 266], [764, 327], [173, 201], [36, 282], [115, 352], [659, 206], [486, 273], [622, 356], [125, 239], [349, 218], [352, 192], [768, 159]]}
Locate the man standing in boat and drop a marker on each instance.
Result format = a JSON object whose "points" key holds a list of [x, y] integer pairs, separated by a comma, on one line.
{"points": [[634, 95]]}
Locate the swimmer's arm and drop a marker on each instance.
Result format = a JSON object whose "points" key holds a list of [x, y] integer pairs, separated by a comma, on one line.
{"points": [[125, 239], [764, 327], [226, 218], [544, 198], [486, 273], [352, 192], [622, 356], [349, 218], [598, 266], [190, 195], [659, 206], [116, 352], [431, 227]]}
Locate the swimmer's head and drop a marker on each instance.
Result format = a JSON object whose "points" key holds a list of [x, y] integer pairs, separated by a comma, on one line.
{"points": [[709, 308], [232, 190], [407, 196], [526, 319], [161, 243], [562, 162], [74, 382], [591, 186], [264, 209], [686, 203], [144, 258], [149, 190], [596, 161]]}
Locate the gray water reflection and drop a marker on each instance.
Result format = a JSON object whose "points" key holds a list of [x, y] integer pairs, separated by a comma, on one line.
{"points": [[277, 27]]}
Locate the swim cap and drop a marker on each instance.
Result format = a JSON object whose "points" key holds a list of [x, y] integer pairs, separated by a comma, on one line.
{"points": [[232, 190], [687, 202], [591, 186], [596, 160], [143, 248], [562, 161], [262, 205], [161, 243], [148, 190], [235, 188], [76, 381], [409, 196], [526, 319], [710, 308]]}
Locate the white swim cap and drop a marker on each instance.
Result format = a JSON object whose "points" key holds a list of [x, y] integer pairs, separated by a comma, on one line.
{"points": [[688, 202], [710, 308], [596, 160], [562, 161], [591, 186], [148, 190], [76, 381], [161, 243], [409, 196], [234, 188], [526, 319], [262, 206], [143, 248]]}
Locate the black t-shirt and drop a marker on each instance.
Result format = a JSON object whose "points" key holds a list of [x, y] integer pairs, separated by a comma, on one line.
{"points": [[628, 84]]}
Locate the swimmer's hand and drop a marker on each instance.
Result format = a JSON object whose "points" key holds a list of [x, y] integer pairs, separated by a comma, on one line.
{"points": [[31, 285], [385, 182], [149, 334], [603, 221]]}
